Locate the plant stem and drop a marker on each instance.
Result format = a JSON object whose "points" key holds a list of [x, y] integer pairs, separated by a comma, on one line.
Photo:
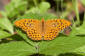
{"points": [[75, 4], [35, 3], [61, 9], [84, 19], [37, 47]]}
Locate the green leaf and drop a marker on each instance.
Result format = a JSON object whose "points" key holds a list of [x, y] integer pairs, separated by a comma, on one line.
{"points": [[4, 34], [33, 10], [16, 49], [80, 50], [25, 37], [38, 16], [81, 30], [75, 6], [61, 45], [14, 8], [6, 24], [44, 6], [83, 2]]}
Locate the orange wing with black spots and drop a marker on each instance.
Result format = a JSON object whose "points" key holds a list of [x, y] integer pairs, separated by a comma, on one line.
{"points": [[31, 26], [42, 30], [53, 27]]}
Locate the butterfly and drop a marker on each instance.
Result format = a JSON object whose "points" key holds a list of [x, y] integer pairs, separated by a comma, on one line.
{"points": [[42, 30]]}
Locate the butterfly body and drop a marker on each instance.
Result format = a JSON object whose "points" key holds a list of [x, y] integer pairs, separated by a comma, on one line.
{"points": [[42, 30]]}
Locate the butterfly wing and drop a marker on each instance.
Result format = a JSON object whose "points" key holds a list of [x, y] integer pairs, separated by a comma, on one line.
{"points": [[53, 27], [31, 26]]}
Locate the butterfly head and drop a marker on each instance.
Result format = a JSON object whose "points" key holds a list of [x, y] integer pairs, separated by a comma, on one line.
{"points": [[42, 20]]}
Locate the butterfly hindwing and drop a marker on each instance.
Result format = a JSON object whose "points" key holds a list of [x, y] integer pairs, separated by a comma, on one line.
{"points": [[53, 27], [31, 26]]}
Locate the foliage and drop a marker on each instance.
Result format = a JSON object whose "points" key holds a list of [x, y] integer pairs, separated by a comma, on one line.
{"points": [[83, 2], [15, 8], [5, 23], [20, 9]]}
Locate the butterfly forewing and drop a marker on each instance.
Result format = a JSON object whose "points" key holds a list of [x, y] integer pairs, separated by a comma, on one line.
{"points": [[53, 27], [31, 26]]}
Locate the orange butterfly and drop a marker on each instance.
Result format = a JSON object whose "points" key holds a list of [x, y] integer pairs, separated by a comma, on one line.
{"points": [[42, 30]]}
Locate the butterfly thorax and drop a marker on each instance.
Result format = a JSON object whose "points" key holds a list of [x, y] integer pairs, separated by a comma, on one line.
{"points": [[42, 26]]}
